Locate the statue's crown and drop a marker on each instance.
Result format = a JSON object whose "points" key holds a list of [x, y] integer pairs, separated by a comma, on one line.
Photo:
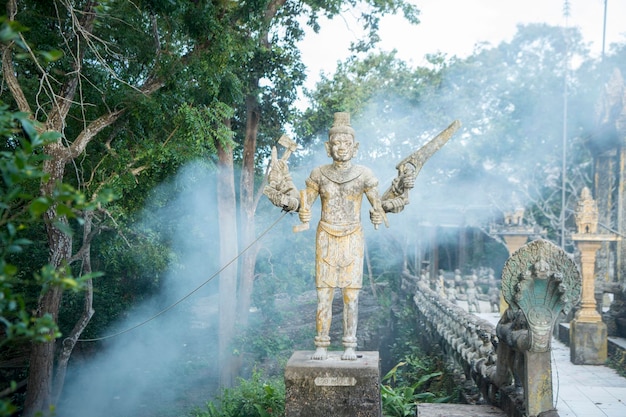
{"points": [[341, 124]]}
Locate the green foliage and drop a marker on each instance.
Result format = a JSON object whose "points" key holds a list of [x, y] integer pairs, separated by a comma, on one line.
{"points": [[205, 126], [256, 397], [617, 361], [262, 342], [417, 379], [21, 168], [403, 399]]}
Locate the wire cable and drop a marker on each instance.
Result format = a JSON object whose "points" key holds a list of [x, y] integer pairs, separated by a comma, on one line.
{"points": [[165, 310], [558, 381]]}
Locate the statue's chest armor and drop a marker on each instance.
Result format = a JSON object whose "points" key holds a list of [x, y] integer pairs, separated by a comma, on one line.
{"points": [[331, 191], [341, 195]]}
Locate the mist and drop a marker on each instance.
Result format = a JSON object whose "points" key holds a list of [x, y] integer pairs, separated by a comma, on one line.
{"points": [[156, 365]]}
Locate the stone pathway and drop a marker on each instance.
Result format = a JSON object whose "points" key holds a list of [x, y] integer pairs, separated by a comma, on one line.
{"points": [[585, 390]]}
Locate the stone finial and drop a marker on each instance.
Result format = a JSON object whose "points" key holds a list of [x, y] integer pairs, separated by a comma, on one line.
{"points": [[515, 217], [586, 213]]}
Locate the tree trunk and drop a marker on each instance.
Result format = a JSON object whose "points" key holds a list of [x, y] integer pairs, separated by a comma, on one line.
{"points": [[39, 392], [226, 214], [247, 207], [88, 311]]}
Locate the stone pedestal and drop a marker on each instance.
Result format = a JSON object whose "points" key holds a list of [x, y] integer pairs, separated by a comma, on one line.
{"points": [[332, 387], [588, 343]]}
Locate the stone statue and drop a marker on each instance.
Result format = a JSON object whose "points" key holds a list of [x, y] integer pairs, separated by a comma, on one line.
{"points": [[451, 292], [539, 282], [340, 186], [494, 298], [472, 297]]}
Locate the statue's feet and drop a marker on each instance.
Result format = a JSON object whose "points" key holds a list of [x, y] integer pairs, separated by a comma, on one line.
{"points": [[320, 354], [349, 354]]}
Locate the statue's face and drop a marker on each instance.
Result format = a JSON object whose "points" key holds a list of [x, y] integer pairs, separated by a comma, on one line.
{"points": [[341, 147]]}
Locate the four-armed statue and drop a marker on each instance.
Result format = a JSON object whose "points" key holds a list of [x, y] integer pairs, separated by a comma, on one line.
{"points": [[339, 243]]}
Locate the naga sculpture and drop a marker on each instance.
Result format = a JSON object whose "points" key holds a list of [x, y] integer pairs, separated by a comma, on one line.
{"points": [[539, 281]]}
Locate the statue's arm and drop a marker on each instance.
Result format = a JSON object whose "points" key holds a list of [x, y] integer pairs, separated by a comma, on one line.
{"points": [[397, 196], [280, 188], [377, 214]]}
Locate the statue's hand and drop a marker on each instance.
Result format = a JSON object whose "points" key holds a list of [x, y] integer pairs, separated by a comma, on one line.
{"points": [[376, 217], [387, 205], [279, 171], [408, 182], [305, 215], [280, 199], [289, 203]]}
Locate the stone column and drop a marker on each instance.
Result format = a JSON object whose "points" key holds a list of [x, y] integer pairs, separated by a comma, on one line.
{"points": [[538, 382], [588, 334], [588, 312]]}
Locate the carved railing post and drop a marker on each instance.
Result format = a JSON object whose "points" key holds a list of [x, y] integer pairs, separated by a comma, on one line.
{"points": [[539, 281]]}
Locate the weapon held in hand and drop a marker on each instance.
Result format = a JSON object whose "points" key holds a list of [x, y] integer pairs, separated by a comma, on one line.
{"points": [[411, 166], [280, 189], [289, 144], [303, 206]]}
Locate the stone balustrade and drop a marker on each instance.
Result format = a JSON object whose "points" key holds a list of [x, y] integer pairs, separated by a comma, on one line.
{"points": [[462, 336], [509, 363], [470, 341]]}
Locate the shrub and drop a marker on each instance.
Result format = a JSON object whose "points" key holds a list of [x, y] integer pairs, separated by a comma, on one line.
{"points": [[256, 397]]}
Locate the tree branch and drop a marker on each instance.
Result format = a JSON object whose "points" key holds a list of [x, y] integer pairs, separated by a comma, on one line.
{"points": [[8, 71], [95, 127], [83, 26], [11, 80]]}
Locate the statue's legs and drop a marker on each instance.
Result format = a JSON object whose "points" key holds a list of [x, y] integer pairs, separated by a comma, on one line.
{"points": [[350, 318], [323, 320]]}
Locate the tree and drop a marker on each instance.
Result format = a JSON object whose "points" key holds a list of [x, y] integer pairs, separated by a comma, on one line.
{"points": [[21, 209], [112, 57]]}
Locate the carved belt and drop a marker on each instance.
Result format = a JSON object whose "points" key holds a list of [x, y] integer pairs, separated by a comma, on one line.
{"points": [[339, 230]]}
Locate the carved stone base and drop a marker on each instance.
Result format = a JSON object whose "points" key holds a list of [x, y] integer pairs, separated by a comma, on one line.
{"points": [[588, 343], [332, 387]]}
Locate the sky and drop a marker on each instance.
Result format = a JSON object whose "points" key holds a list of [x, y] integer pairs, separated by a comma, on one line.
{"points": [[454, 27]]}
